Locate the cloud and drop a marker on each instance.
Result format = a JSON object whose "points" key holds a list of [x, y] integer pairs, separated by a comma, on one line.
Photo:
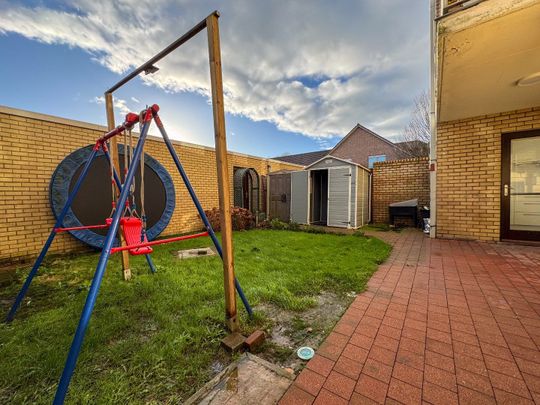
{"points": [[314, 67], [119, 104]]}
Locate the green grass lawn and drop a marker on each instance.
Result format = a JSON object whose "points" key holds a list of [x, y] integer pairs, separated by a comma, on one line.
{"points": [[154, 339]]}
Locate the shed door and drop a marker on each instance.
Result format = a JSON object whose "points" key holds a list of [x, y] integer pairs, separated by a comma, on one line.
{"points": [[299, 197], [280, 196], [339, 197]]}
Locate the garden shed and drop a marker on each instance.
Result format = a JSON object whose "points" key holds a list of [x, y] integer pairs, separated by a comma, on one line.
{"points": [[329, 192]]}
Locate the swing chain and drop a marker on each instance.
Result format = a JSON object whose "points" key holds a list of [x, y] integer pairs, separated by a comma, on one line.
{"points": [[131, 206], [142, 189], [106, 147]]}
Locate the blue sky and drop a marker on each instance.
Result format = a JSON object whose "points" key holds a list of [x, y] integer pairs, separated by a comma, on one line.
{"points": [[291, 86]]}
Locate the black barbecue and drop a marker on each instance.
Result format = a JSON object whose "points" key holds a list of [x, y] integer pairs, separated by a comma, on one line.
{"points": [[407, 209]]}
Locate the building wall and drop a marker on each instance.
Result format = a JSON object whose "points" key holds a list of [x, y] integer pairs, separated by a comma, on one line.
{"points": [[469, 172], [396, 181], [361, 143], [32, 145]]}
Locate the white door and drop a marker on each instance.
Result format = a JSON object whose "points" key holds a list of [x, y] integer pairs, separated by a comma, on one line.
{"points": [[299, 197], [521, 186], [339, 197]]}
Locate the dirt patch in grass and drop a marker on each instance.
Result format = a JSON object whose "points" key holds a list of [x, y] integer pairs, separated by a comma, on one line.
{"points": [[7, 276], [289, 330]]}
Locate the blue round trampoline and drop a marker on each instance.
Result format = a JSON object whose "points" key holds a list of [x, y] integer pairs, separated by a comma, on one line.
{"points": [[92, 204]]}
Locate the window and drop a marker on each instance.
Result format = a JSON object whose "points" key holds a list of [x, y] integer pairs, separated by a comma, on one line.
{"points": [[375, 158]]}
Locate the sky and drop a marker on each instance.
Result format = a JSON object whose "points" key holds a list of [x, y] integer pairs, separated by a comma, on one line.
{"points": [[298, 75]]}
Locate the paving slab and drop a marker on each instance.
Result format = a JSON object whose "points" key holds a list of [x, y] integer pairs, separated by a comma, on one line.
{"points": [[249, 380]]}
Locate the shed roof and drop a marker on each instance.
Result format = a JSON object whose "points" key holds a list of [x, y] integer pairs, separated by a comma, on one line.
{"points": [[350, 162], [304, 159]]}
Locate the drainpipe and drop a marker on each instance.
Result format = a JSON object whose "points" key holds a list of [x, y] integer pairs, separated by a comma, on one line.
{"points": [[433, 124], [268, 170], [370, 187]]}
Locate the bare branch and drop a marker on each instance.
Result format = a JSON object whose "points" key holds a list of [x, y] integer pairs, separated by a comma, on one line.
{"points": [[417, 134]]}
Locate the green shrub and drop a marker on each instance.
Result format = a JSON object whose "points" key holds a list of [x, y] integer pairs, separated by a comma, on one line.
{"points": [[278, 224], [293, 226], [380, 227], [314, 229]]}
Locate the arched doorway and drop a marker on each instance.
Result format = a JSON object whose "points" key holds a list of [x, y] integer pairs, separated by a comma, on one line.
{"points": [[246, 189]]}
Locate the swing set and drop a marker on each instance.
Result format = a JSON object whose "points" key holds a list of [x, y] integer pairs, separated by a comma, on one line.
{"points": [[124, 214]]}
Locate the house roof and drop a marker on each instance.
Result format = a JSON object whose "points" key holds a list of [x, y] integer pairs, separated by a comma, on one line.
{"points": [[414, 144], [310, 158], [304, 159], [408, 143], [369, 131]]}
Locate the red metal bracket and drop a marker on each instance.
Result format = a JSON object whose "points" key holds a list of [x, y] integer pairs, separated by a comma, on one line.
{"points": [[148, 113], [158, 242], [131, 119]]}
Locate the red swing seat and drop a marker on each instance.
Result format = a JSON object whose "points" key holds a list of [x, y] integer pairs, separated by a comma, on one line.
{"points": [[131, 227]]}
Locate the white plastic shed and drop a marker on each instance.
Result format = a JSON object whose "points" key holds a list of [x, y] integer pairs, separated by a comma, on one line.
{"points": [[331, 192]]}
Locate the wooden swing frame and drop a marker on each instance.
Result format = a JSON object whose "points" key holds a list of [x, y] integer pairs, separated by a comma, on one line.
{"points": [[211, 24]]}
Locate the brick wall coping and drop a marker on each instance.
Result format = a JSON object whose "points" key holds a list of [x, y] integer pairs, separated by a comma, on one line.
{"points": [[400, 161], [102, 128]]}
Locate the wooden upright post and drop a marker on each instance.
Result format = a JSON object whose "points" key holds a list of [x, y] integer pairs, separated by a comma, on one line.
{"points": [[222, 170], [113, 143]]}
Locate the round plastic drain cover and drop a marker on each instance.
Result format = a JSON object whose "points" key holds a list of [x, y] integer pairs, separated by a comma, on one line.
{"points": [[305, 353]]}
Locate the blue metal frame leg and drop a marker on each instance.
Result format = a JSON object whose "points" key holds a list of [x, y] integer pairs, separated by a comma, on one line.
{"points": [[75, 349], [199, 207], [59, 220], [150, 263]]}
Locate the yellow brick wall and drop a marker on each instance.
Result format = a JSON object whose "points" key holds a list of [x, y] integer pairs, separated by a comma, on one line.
{"points": [[469, 172], [399, 180], [32, 145]]}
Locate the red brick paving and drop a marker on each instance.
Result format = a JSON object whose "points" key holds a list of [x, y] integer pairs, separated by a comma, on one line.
{"points": [[441, 322]]}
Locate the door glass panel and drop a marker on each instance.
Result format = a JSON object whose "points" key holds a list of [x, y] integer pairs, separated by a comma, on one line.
{"points": [[525, 184]]}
